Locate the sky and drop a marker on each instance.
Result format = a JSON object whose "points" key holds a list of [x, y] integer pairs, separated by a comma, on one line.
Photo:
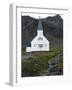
{"points": [[43, 13], [36, 15]]}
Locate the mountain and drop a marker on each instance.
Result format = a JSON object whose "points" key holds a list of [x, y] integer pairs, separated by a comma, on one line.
{"points": [[52, 28]]}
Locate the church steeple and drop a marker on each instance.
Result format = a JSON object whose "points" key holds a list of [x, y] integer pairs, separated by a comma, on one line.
{"points": [[39, 28], [39, 25]]}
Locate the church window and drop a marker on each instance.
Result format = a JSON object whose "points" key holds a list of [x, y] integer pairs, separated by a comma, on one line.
{"points": [[45, 44], [40, 38], [40, 45]]}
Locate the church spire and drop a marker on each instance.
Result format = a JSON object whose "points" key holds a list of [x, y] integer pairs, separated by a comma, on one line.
{"points": [[39, 28], [39, 25]]}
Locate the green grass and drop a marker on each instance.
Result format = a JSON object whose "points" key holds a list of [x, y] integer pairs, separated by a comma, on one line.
{"points": [[36, 64], [23, 51]]}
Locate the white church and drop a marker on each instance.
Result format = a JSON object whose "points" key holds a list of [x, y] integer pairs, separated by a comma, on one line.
{"points": [[39, 43]]}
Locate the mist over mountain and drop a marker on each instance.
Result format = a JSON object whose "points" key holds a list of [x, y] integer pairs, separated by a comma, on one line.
{"points": [[52, 28]]}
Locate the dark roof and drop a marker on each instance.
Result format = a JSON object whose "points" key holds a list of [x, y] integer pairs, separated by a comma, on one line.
{"points": [[28, 44]]}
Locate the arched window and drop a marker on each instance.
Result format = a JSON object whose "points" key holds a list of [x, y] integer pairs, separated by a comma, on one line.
{"points": [[40, 38]]}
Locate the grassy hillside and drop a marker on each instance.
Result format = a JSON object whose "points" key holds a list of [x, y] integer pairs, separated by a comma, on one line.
{"points": [[36, 65]]}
